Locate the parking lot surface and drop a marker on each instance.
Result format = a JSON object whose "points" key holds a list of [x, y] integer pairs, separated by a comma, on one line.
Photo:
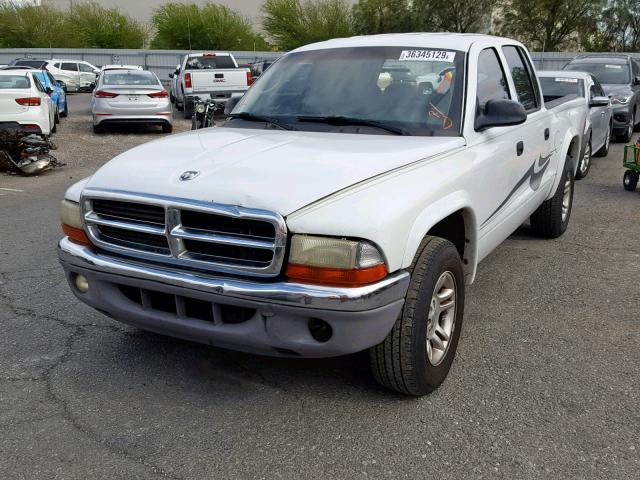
{"points": [[546, 381]]}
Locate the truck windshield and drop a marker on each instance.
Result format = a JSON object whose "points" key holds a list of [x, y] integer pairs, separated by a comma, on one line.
{"points": [[556, 87], [209, 62], [617, 73], [406, 90]]}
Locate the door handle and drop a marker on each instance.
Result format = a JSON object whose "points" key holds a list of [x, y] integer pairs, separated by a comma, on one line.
{"points": [[546, 134], [520, 147]]}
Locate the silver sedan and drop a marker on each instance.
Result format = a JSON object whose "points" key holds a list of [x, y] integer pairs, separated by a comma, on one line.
{"points": [[130, 96]]}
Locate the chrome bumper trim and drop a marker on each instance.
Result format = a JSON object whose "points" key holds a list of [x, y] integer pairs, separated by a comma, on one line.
{"points": [[359, 299]]}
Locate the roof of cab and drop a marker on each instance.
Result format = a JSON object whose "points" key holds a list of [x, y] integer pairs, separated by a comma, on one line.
{"points": [[446, 40], [614, 58]]}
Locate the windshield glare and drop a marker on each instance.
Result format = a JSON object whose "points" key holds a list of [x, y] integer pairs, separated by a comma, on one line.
{"points": [[605, 72], [417, 90], [115, 77]]}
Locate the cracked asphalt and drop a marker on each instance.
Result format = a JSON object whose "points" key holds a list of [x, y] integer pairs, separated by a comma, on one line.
{"points": [[546, 382]]}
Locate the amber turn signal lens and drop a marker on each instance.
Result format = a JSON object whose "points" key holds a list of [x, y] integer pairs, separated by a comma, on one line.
{"points": [[76, 235], [336, 276]]}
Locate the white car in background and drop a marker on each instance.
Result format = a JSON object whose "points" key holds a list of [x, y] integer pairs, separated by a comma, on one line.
{"points": [[24, 103], [77, 75]]}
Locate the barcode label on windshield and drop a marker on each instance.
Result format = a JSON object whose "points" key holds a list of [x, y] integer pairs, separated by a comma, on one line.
{"points": [[427, 56], [566, 80]]}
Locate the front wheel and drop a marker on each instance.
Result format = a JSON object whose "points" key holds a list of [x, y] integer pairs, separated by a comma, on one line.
{"points": [[551, 219], [628, 133], [418, 352], [630, 180]]}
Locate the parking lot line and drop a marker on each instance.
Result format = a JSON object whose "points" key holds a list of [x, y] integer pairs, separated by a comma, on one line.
{"points": [[11, 189]]}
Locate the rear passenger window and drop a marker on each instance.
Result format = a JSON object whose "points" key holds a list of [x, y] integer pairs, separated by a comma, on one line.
{"points": [[71, 67], [526, 87], [492, 84]]}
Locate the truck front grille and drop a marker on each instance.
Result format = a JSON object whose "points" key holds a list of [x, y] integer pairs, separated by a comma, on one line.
{"points": [[204, 236]]}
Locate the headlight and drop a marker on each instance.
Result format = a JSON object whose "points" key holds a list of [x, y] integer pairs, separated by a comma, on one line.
{"points": [[621, 99], [200, 108], [334, 261], [71, 220]]}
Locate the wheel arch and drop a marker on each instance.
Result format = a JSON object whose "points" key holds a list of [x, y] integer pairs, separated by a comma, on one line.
{"points": [[453, 219]]}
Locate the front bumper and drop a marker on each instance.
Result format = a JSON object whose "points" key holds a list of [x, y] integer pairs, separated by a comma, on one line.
{"points": [[276, 316]]}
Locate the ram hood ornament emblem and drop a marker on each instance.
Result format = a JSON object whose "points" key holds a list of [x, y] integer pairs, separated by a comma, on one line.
{"points": [[189, 175]]}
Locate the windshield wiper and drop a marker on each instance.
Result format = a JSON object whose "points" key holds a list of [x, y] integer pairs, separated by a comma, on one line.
{"points": [[341, 120], [260, 118]]}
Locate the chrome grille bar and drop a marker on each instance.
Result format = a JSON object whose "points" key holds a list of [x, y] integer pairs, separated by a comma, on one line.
{"points": [[237, 253]]}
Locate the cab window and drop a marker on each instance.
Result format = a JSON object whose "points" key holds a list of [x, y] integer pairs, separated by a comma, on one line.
{"points": [[526, 87], [492, 83], [70, 67]]}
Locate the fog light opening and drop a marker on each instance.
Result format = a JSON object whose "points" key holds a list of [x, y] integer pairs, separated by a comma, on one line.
{"points": [[81, 283], [320, 330]]}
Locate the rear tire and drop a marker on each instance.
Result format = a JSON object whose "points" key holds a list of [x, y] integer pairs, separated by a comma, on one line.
{"points": [[56, 116], [187, 109], [630, 180], [551, 219], [98, 129], [167, 128], [585, 162], [604, 150], [407, 360]]}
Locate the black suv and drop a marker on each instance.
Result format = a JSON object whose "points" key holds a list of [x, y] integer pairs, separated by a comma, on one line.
{"points": [[619, 75]]}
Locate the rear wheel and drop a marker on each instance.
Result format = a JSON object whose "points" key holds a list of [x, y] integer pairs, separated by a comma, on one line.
{"points": [[628, 132], [56, 116], [604, 150], [98, 129], [167, 128], [418, 352], [551, 219], [187, 108], [630, 180], [585, 162]]}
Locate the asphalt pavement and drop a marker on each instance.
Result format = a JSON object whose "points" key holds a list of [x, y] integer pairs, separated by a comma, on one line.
{"points": [[546, 382]]}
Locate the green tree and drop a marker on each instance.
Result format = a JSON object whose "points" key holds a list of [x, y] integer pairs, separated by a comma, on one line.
{"points": [[90, 25], [618, 28], [30, 26], [465, 16], [188, 26], [548, 25], [291, 23], [381, 16]]}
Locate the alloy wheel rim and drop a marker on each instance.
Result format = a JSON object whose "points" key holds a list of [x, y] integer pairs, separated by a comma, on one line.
{"points": [[441, 318], [608, 139], [586, 159], [566, 198]]}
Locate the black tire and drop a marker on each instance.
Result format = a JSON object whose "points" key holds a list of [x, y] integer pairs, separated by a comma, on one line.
{"points": [[628, 133], [195, 124], [401, 362], [56, 116], [584, 164], [65, 112], [98, 129], [167, 128], [547, 221], [187, 109], [630, 180], [172, 99], [179, 106], [604, 150]]}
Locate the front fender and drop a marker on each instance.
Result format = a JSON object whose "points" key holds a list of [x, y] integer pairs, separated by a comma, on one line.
{"points": [[436, 212], [569, 150]]}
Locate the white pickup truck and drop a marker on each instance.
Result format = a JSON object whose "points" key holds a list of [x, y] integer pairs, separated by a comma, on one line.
{"points": [[331, 215], [213, 75]]}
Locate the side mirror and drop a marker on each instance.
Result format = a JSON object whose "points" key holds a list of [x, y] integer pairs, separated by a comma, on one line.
{"points": [[171, 75], [231, 104], [636, 81], [599, 102], [500, 113]]}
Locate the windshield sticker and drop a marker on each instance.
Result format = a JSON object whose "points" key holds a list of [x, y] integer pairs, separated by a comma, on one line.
{"points": [[566, 80], [613, 66], [427, 56]]}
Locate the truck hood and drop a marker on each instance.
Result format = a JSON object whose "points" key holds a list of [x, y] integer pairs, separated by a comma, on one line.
{"points": [[275, 170]]}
